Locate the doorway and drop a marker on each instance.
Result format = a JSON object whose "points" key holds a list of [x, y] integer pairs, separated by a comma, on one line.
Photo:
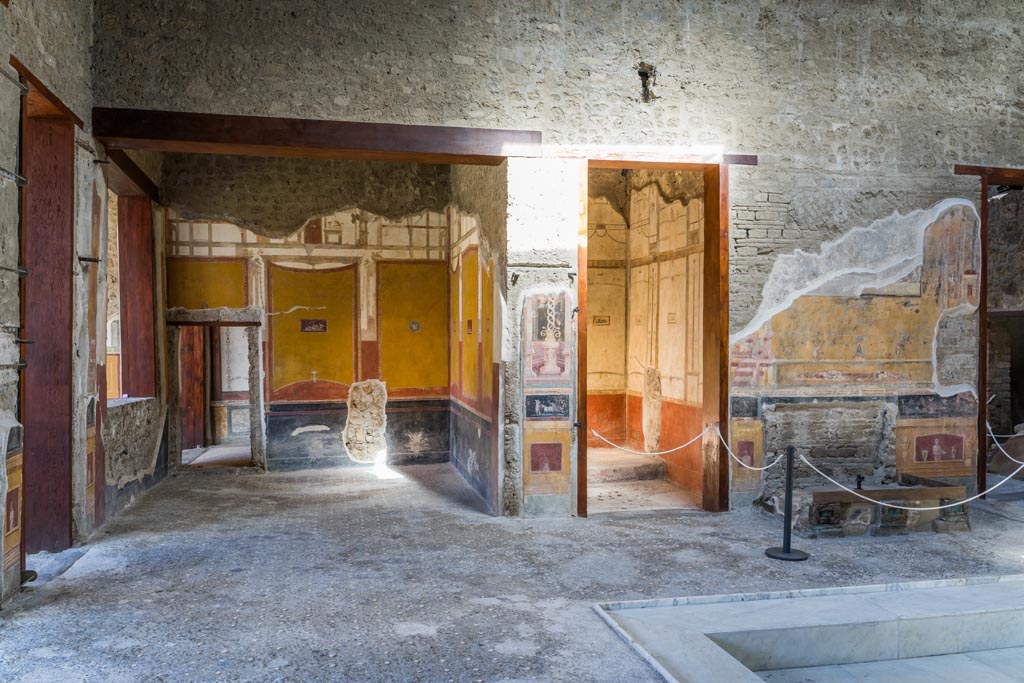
{"points": [[213, 390], [653, 301]]}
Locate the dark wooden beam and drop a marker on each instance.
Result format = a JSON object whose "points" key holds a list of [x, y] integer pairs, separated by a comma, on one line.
{"points": [[126, 179], [212, 323], [715, 481], [41, 102], [167, 131], [135, 259], [995, 175]]}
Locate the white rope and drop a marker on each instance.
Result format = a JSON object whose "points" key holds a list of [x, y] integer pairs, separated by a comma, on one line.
{"points": [[749, 467], [1000, 446], [672, 450], [904, 507]]}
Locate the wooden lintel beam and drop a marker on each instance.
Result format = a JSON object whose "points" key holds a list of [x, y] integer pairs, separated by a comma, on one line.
{"points": [[126, 179], [41, 100], [212, 324], [166, 131], [994, 174]]}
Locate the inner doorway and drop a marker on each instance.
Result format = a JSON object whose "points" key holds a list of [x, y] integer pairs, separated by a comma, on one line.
{"points": [[647, 405], [213, 376]]}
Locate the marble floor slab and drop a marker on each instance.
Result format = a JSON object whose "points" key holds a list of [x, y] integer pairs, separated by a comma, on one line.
{"points": [[990, 666], [871, 627]]}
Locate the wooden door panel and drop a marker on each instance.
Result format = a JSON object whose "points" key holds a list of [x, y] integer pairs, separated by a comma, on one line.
{"points": [[191, 378], [48, 163]]}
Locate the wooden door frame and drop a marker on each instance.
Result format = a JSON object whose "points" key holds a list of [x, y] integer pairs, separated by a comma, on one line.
{"points": [[715, 368], [989, 176], [43, 107]]}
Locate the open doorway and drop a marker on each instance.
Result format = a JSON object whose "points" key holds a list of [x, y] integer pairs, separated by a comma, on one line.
{"points": [[213, 385], [645, 339]]}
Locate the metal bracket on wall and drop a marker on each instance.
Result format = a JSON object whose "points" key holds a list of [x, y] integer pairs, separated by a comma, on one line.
{"points": [[20, 366], [19, 180], [14, 79], [20, 270]]}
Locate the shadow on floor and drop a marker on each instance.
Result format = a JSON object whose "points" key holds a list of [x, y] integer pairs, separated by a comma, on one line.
{"points": [[224, 455], [444, 482]]}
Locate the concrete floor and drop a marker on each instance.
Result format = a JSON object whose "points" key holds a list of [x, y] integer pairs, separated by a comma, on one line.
{"points": [[349, 575]]}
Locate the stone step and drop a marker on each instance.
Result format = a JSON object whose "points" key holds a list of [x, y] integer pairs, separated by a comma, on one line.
{"points": [[608, 465]]}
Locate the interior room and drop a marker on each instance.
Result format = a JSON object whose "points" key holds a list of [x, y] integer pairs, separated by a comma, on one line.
{"points": [[644, 338], [374, 311]]}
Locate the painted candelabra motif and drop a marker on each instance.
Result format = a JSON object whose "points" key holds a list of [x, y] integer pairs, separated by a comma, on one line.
{"points": [[548, 394]]}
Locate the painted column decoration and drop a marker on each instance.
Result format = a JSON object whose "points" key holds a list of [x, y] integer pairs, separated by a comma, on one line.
{"points": [[548, 400]]}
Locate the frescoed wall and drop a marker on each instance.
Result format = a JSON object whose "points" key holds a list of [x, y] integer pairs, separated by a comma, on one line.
{"points": [[475, 326], [644, 308], [665, 333], [350, 296], [607, 246], [864, 356]]}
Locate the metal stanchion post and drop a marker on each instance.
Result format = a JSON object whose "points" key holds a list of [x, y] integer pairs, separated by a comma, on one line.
{"points": [[786, 552]]}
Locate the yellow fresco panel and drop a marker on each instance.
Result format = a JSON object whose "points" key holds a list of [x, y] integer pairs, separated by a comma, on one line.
{"points": [[414, 324], [197, 284], [454, 320], [487, 329], [470, 324], [330, 297], [866, 340]]}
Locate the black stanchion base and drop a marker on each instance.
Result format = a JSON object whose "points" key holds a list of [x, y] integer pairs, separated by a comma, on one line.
{"points": [[791, 556]]}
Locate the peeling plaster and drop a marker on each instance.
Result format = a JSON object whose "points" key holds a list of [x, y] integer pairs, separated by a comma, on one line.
{"points": [[310, 428], [874, 256]]}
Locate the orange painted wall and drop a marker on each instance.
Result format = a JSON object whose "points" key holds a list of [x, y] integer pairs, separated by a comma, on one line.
{"points": [[607, 414], [413, 319], [470, 325], [206, 283], [679, 424], [487, 330], [295, 355]]}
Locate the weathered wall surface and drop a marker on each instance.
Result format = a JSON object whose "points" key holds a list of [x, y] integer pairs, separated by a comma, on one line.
{"points": [[52, 38], [547, 203], [274, 197], [478, 216], [852, 109], [863, 356], [1005, 246], [1005, 293]]}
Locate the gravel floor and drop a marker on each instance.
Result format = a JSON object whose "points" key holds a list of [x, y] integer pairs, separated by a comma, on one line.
{"points": [[347, 576]]}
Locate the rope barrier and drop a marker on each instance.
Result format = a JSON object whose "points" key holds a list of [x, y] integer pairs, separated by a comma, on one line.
{"points": [[1000, 446], [825, 476], [678, 448], [749, 467], [627, 450]]}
